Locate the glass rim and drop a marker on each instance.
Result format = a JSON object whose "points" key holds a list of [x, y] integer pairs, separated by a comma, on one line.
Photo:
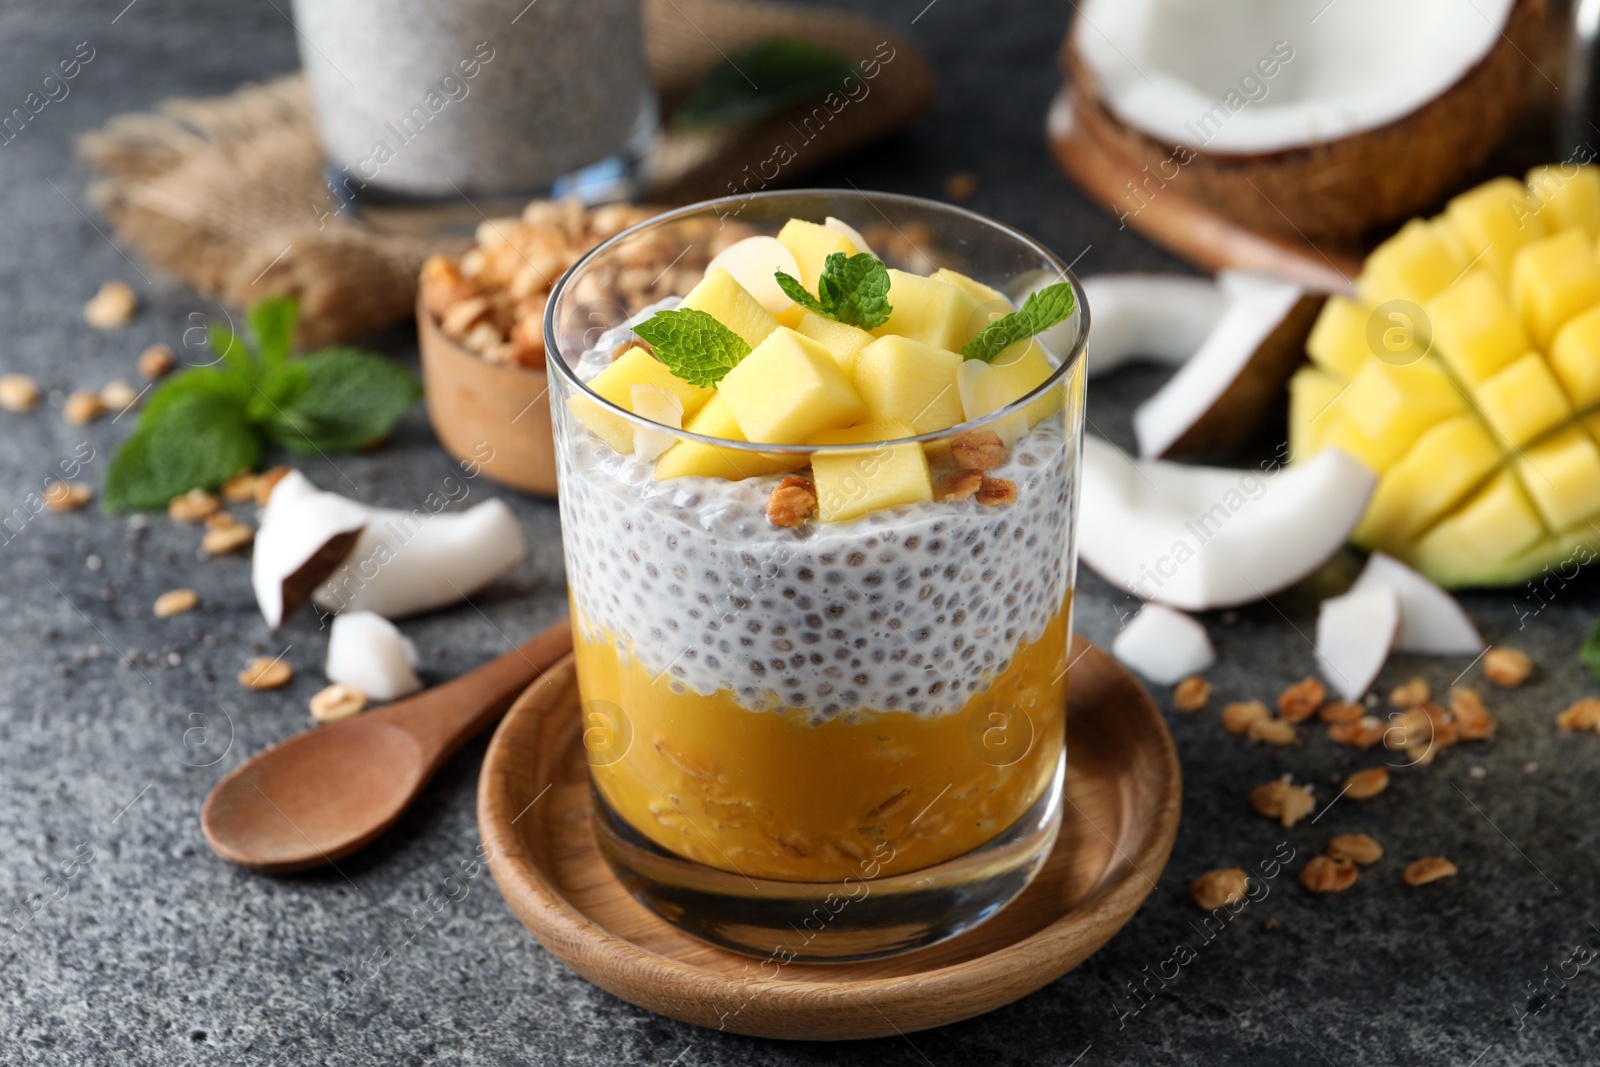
{"points": [[1068, 360]]}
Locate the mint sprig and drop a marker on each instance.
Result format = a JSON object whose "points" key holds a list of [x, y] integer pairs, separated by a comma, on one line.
{"points": [[693, 344], [853, 290], [204, 425], [1042, 310]]}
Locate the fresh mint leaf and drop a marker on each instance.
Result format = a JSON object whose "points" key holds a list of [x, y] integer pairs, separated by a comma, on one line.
{"points": [[200, 441], [760, 81], [232, 354], [219, 382], [335, 400], [1589, 654], [797, 292], [853, 290], [693, 345], [272, 328], [1042, 310]]}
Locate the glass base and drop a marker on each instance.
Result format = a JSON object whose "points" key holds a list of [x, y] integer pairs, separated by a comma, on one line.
{"points": [[833, 922]]}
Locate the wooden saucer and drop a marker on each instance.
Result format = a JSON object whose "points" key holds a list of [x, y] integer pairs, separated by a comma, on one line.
{"points": [[1123, 794]]}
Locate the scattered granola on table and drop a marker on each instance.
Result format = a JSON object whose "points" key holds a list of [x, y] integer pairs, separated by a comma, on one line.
{"points": [[1191, 694], [1428, 869], [264, 672], [1414, 692], [1301, 700], [1364, 785], [1218, 888], [1282, 800], [1506, 667], [1580, 715], [1324, 874], [1357, 848]]}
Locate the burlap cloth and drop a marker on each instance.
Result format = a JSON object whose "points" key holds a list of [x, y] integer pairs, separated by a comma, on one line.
{"points": [[223, 192]]}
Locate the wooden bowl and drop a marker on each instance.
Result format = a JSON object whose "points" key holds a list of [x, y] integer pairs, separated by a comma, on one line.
{"points": [[1123, 795], [494, 417]]}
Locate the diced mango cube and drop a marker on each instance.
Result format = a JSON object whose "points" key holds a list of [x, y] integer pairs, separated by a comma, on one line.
{"points": [[731, 304], [1475, 331], [1338, 341], [636, 366], [1491, 222], [1396, 404], [1568, 196], [1414, 264], [933, 312], [812, 245], [1378, 453], [1311, 392], [1010, 376], [1575, 358], [1562, 475], [1523, 401], [709, 461], [1495, 524], [991, 300], [840, 338], [904, 380], [852, 483], [788, 388], [1553, 279], [1444, 464]]}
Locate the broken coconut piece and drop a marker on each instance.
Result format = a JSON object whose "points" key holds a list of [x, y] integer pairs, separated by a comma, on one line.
{"points": [[1199, 538], [754, 263], [1355, 633], [659, 406], [1162, 318], [1432, 622], [1164, 645], [367, 652], [1219, 396], [304, 534]]}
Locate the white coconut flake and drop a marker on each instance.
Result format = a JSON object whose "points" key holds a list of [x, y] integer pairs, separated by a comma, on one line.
{"points": [[1164, 645], [1355, 633], [1432, 622], [367, 651]]}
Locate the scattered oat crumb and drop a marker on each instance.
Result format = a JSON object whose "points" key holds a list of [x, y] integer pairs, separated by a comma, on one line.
{"points": [[1217, 888], [1412, 726], [1280, 799], [337, 702], [1192, 694], [1428, 869], [1506, 667], [1472, 718], [961, 185], [82, 408], [111, 307], [979, 450], [264, 673], [1531, 767], [1410, 694], [1363, 785], [18, 392], [1477, 774], [1324, 874], [1237, 717], [118, 396], [1301, 700], [226, 537], [958, 485], [1363, 733], [175, 602], [193, 506], [156, 361], [1340, 711], [793, 501], [67, 496], [1357, 848], [266, 482], [994, 491], [240, 488], [1581, 715], [1271, 731]]}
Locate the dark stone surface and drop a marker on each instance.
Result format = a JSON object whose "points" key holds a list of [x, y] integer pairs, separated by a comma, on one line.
{"points": [[153, 951]]}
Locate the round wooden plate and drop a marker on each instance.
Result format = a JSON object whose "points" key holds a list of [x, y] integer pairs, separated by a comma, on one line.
{"points": [[1122, 791]]}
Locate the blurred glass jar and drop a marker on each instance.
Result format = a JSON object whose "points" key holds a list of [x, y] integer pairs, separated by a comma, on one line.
{"points": [[424, 99]]}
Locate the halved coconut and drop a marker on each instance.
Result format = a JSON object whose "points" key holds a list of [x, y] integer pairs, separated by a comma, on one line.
{"points": [[303, 536], [1220, 395], [1303, 117], [366, 651], [1165, 646], [1163, 318], [1355, 633], [1199, 538], [1432, 621]]}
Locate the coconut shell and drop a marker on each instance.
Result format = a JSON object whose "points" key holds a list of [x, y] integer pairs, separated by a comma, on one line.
{"points": [[1338, 190]]}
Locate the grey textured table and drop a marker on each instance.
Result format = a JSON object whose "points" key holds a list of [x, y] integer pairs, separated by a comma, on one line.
{"points": [[152, 951]]}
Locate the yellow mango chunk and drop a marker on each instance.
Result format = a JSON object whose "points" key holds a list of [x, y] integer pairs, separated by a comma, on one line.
{"points": [[1575, 358], [1568, 196], [731, 304], [1378, 453], [1441, 468], [933, 312], [1493, 221], [904, 380], [693, 457], [993, 301], [1475, 330], [853, 483], [840, 338], [788, 388], [635, 367], [1522, 401], [1496, 523], [1311, 392], [1338, 341], [1562, 475], [1010, 376], [1552, 280], [811, 245], [1395, 405], [1414, 264]]}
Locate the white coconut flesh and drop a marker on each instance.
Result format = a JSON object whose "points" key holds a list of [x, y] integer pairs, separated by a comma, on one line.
{"points": [[303, 535], [754, 263], [1432, 622], [841, 226], [1193, 72], [1198, 538], [659, 406], [1355, 633], [1161, 318], [1165, 646], [366, 651]]}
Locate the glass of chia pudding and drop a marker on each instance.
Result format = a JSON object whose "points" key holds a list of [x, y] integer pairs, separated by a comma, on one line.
{"points": [[818, 520]]}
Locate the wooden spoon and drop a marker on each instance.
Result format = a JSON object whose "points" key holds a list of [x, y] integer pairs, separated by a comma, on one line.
{"points": [[325, 793]]}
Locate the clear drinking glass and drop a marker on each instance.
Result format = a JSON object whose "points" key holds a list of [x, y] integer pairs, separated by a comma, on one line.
{"points": [[843, 740]]}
